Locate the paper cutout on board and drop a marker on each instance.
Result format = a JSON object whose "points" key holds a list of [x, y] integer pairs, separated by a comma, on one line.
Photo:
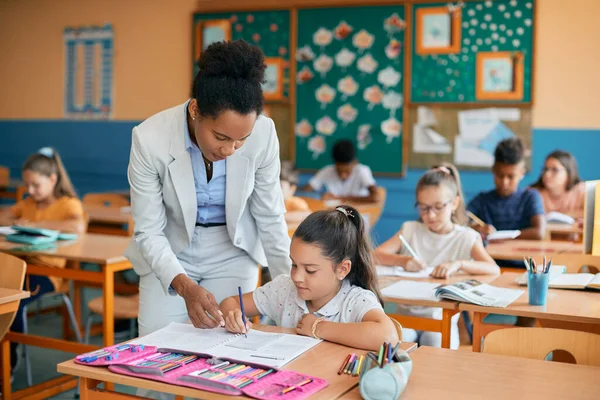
{"points": [[344, 58], [392, 101], [304, 54], [323, 64], [303, 129], [367, 64], [373, 95], [363, 40], [393, 24], [392, 128], [347, 86], [389, 77], [347, 114], [326, 126], [322, 38], [363, 137], [480, 131], [393, 49], [304, 75], [426, 140], [343, 30], [425, 116], [317, 146], [325, 95]]}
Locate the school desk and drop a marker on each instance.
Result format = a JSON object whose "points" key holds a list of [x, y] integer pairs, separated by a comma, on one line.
{"points": [[9, 302], [565, 232], [323, 360], [104, 250], [370, 210], [577, 309], [449, 374], [109, 220], [517, 249], [449, 308]]}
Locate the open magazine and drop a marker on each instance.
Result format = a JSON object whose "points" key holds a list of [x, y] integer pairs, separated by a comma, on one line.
{"points": [[473, 291]]}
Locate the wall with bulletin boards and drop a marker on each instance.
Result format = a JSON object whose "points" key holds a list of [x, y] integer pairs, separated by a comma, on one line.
{"points": [[405, 80]]}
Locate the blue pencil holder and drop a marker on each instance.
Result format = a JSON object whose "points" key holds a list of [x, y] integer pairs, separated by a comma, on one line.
{"points": [[386, 383], [537, 285]]}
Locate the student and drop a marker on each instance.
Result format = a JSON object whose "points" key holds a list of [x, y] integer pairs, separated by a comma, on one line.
{"points": [[440, 241], [560, 186], [332, 291], [52, 204], [346, 180], [507, 207]]}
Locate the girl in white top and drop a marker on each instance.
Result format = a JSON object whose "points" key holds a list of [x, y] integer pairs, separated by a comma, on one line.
{"points": [[441, 241], [332, 291]]}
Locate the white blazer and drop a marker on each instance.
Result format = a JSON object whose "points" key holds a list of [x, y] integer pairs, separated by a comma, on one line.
{"points": [[163, 197]]}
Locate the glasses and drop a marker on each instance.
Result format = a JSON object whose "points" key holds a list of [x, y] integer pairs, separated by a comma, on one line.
{"points": [[553, 170], [423, 209]]}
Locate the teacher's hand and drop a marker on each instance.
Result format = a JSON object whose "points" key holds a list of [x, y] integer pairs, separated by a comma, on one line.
{"points": [[201, 305]]}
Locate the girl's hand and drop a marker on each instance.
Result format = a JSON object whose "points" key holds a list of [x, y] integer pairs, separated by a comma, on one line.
{"points": [[415, 265], [305, 325], [488, 230], [443, 271], [234, 322]]}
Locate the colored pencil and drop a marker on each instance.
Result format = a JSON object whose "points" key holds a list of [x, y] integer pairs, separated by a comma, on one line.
{"points": [[527, 267], [549, 265], [344, 364], [412, 252], [242, 307], [380, 356], [475, 218], [396, 347], [287, 390]]}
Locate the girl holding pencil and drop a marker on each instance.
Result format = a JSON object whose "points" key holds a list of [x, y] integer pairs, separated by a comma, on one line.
{"points": [[438, 240], [331, 292]]}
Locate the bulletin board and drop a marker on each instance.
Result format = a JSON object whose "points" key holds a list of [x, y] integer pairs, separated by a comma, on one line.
{"points": [[349, 85], [464, 135], [269, 30], [486, 28]]}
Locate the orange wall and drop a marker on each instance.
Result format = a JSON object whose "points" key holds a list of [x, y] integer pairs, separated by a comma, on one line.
{"points": [[152, 64]]}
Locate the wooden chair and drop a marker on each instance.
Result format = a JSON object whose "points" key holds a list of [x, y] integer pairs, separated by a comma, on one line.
{"points": [[125, 307], [537, 343], [105, 200], [4, 173], [398, 327], [12, 276], [575, 263]]}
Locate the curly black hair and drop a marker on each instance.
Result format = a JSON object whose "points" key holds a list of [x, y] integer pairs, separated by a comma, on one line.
{"points": [[509, 151], [343, 152], [229, 78]]}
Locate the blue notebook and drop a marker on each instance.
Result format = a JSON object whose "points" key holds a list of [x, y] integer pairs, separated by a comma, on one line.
{"points": [[31, 235]]}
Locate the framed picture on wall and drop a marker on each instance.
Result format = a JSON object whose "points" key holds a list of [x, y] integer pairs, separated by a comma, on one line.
{"points": [[209, 32], [273, 86], [499, 76], [438, 30]]}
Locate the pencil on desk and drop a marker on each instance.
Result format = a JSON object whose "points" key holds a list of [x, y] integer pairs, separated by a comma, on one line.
{"points": [[341, 370], [476, 219]]}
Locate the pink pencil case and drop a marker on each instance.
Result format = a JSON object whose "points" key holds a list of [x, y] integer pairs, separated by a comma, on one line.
{"points": [[118, 353], [267, 385]]}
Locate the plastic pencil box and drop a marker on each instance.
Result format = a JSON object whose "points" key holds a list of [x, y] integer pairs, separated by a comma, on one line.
{"points": [[203, 371]]}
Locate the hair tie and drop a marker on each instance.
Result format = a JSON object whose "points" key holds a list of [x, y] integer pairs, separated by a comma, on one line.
{"points": [[443, 169], [46, 151], [347, 213]]}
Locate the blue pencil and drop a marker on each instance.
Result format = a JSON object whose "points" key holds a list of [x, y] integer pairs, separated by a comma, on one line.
{"points": [[242, 307]]}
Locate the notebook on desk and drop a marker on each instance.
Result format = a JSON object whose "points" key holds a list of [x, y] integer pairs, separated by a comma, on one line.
{"points": [[503, 235], [559, 218], [37, 236], [383, 271], [575, 281]]}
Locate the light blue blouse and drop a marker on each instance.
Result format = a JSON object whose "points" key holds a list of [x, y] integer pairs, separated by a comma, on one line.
{"points": [[210, 196]]}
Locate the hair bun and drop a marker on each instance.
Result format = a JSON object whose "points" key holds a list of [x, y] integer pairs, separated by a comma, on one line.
{"points": [[235, 59]]}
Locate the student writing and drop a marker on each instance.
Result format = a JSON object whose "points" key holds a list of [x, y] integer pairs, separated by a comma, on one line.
{"points": [[332, 290]]}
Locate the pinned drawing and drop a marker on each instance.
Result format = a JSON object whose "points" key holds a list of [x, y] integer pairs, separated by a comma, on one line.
{"points": [[393, 24], [344, 58], [391, 128], [317, 146], [343, 30], [326, 126], [363, 137], [304, 54], [325, 95], [363, 40], [388, 77], [425, 138], [303, 128], [367, 64], [373, 95], [500, 76], [347, 114], [304, 75], [438, 30], [323, 64], [347, 86], [322, 38], [393, 49], [392, 101]]}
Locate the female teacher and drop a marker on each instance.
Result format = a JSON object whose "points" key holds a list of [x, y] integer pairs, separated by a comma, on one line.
{"points": [[205, 194]]}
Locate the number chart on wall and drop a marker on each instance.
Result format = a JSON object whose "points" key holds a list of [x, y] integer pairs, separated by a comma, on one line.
{"points": [[349, 81], [89, 72]]}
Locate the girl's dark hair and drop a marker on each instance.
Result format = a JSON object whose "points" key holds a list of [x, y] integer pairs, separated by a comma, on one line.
{"points": [[447, 175], [229, 78], [47, 162], [341, 235], [567, 160]]}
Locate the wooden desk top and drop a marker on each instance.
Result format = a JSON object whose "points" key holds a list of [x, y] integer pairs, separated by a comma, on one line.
{"points": [[450, 374], [561, 304], [323, 361], [90, 247], [517, 249], [110, 215], [8, 295], [564, 228], [447, 304]]}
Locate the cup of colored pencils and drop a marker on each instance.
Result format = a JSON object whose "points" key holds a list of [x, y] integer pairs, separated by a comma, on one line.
{"points": [[355, 365], [537, 281]]}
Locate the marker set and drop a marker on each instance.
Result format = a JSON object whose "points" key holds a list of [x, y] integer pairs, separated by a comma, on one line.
{"points": [[205, 372]]}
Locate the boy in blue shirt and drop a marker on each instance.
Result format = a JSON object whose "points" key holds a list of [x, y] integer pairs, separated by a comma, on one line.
{"points": [[507, 207]]}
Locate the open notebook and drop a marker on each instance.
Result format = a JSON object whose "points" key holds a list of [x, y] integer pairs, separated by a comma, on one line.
{"points": [[272, 349], [575, 281], [559, 218], [383, 270], [503, 235]]}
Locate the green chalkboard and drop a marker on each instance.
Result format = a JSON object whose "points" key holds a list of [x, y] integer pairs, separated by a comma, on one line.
{"points": [[486, 26], [358, 61], [269, 30]]}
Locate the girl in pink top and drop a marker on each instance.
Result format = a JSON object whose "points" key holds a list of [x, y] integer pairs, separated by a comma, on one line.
{"points": [[560, 186]]}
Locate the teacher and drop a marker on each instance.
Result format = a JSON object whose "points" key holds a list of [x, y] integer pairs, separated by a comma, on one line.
{"points": [[205, 194]]}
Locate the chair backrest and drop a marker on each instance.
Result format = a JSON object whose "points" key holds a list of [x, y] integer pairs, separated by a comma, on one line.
{"points": [[537, 343], [575, 262], [398, 327], [12, 276], [4, 173], [105, 199]]}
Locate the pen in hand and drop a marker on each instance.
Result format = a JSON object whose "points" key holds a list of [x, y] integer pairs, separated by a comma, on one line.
{"points": [[242, 308]]}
